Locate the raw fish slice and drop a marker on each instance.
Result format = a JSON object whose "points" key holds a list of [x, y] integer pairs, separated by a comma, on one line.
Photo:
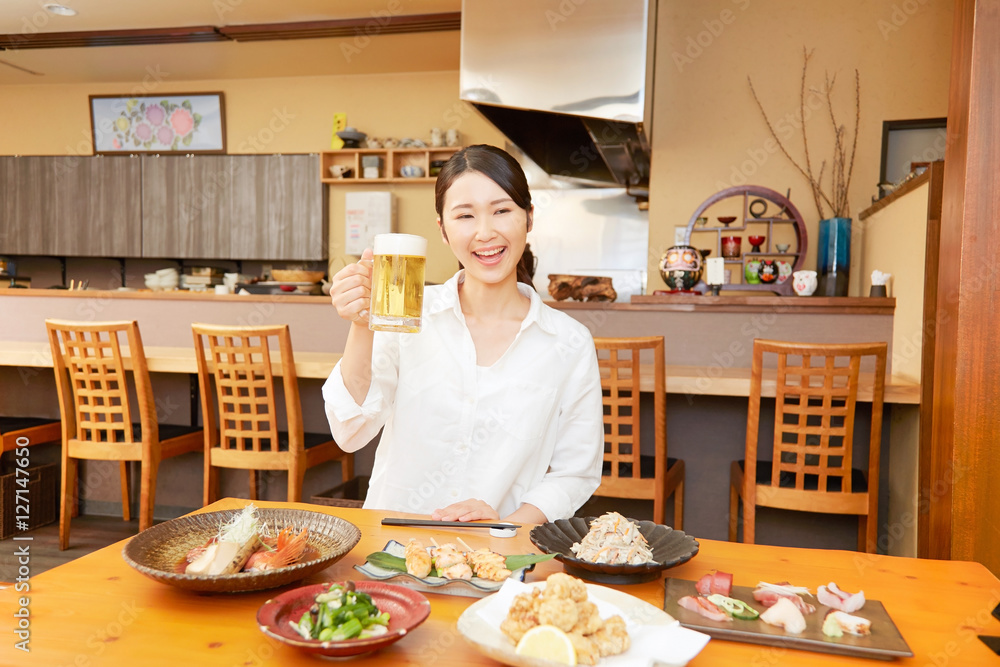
{"points": [[832, 596], [703, 607], [784, 614]]}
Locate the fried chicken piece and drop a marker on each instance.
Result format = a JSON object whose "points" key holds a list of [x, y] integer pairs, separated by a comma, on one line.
{"points": [[456, 571], [613, 638], [586, 651], [447, 555], [558, 612], [561, 585], [522, 616], [488, 564], [588, 618], [418, 561]]}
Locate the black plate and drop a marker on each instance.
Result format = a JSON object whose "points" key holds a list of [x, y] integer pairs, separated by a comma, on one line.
{"points": [[670, 547]]}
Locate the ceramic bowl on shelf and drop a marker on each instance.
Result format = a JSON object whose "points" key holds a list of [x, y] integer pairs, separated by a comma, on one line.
{"points": [[727, 220], [782, 247], [411, 171], [756, 242], [731, 247], [352, 138]]}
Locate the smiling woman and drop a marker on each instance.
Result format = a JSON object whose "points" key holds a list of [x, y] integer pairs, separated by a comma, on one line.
{"points": [[494, 408]]}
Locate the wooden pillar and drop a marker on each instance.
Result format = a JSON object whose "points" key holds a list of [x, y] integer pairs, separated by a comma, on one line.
{"points": [[962, 499]]}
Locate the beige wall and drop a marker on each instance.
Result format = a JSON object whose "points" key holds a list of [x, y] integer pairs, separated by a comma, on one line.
{"points": [[895, 243], [279, 115], [708, 133]]}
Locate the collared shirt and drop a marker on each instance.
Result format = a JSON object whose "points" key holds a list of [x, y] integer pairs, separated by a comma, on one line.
{"points": [[527, 429]]}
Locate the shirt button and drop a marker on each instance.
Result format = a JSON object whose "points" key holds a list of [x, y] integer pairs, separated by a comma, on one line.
{"points": [[454, 493]]}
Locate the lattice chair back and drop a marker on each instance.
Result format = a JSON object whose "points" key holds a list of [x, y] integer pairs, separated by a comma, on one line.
{"points": [[92, 381], [624, 476], [815, 404], [240, 361]]}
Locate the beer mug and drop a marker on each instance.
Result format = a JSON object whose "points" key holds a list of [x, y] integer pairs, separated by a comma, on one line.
{"points": [[397, 282]]}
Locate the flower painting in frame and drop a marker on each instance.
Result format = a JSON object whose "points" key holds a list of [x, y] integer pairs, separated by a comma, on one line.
{"points": [[181, 123]]}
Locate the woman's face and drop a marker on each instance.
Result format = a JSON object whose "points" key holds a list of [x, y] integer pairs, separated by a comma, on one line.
{"points": [[484, 227]]}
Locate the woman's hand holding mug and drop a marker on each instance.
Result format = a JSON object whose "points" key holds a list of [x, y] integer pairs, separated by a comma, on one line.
{"points": [[351, 289]]}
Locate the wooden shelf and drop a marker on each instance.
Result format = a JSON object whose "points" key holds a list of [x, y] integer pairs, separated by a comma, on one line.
{"points": [[392, 162]]}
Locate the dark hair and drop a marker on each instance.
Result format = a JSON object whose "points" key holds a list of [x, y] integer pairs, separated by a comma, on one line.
{"points": [[501, 168]]}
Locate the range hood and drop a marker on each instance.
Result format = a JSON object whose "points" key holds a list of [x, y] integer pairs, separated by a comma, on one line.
{"points": [[569, 82]]}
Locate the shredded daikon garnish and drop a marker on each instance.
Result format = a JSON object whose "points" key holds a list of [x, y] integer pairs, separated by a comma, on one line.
{"points": [[786, 589], [241, 528]]}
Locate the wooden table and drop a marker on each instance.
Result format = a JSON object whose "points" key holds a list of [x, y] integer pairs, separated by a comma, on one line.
{"points": [[97, 610], [693, 380]]}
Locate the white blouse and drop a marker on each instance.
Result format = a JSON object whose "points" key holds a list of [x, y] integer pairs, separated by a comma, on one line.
{"points": [[528, 429]]}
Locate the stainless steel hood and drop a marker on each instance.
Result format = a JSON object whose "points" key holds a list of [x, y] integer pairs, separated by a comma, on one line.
{"points": [[569, 82]]}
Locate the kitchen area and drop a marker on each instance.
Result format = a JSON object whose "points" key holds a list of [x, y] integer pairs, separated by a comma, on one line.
{"points": [[627, 118]]}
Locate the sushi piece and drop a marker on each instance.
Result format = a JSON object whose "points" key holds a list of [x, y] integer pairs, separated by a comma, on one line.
{"points": [[784, 614], [768, 594], [717, 582], [702, 606], [833, 597], [837, 623]]}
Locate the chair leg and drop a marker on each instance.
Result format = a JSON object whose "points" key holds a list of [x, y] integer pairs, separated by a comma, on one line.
{"points": [[867, 534], [734, 512], [147, 496], [749, 523], [253, 484], [679, 506], [211, 481], [75, 490], [67, 490], [296, 476], [126, 505], [347, 468]]}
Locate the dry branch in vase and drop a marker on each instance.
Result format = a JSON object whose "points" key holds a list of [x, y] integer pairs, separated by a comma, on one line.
{"points": [[842, 164]]}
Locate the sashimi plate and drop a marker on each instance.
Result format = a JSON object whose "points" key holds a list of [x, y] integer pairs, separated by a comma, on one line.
{"points": [[884, 643]]}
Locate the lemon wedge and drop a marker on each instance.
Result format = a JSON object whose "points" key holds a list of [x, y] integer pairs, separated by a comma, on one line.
{"points": [[548, 642]]}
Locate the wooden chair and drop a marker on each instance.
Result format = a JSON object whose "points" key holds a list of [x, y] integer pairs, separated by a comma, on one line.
{"points": [[97, 423], [627, 473], [246, 435], [36, 431], [811, 469]]}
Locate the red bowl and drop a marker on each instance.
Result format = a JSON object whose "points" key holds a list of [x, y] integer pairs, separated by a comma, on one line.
{"points": [[407, 609], [727, 219], [755, 240]]}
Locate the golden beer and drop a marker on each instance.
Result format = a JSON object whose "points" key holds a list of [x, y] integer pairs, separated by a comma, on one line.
{"points": [[397, 283]]}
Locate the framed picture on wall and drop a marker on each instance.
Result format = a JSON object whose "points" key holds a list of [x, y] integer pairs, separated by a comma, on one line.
{"points": [[181, 123], [908, 145]]}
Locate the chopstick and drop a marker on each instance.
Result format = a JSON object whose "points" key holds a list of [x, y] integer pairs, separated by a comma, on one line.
{"points": [[450, 524]]}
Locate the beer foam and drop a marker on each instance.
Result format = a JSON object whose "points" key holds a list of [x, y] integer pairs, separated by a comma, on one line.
{"points": [[400, 244]]}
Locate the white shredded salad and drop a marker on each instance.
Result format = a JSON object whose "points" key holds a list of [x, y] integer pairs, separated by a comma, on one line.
{"points": [[615, 540]]}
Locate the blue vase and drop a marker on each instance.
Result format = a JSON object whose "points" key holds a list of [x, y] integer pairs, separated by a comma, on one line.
{"points": [[833, 257]]}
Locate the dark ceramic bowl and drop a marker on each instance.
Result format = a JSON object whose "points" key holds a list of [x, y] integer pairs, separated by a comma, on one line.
{"points": [[407, 609], [670, 548], [727, 219]]}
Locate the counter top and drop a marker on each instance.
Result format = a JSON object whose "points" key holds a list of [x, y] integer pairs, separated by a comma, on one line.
{"points": [[741, 304], [173, 295]]}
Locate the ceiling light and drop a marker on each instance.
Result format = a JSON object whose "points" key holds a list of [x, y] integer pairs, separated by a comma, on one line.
{"points": [[59, 10]]}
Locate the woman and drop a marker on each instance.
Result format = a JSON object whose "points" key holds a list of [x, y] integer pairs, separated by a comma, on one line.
{"points": [[492, 410]]}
